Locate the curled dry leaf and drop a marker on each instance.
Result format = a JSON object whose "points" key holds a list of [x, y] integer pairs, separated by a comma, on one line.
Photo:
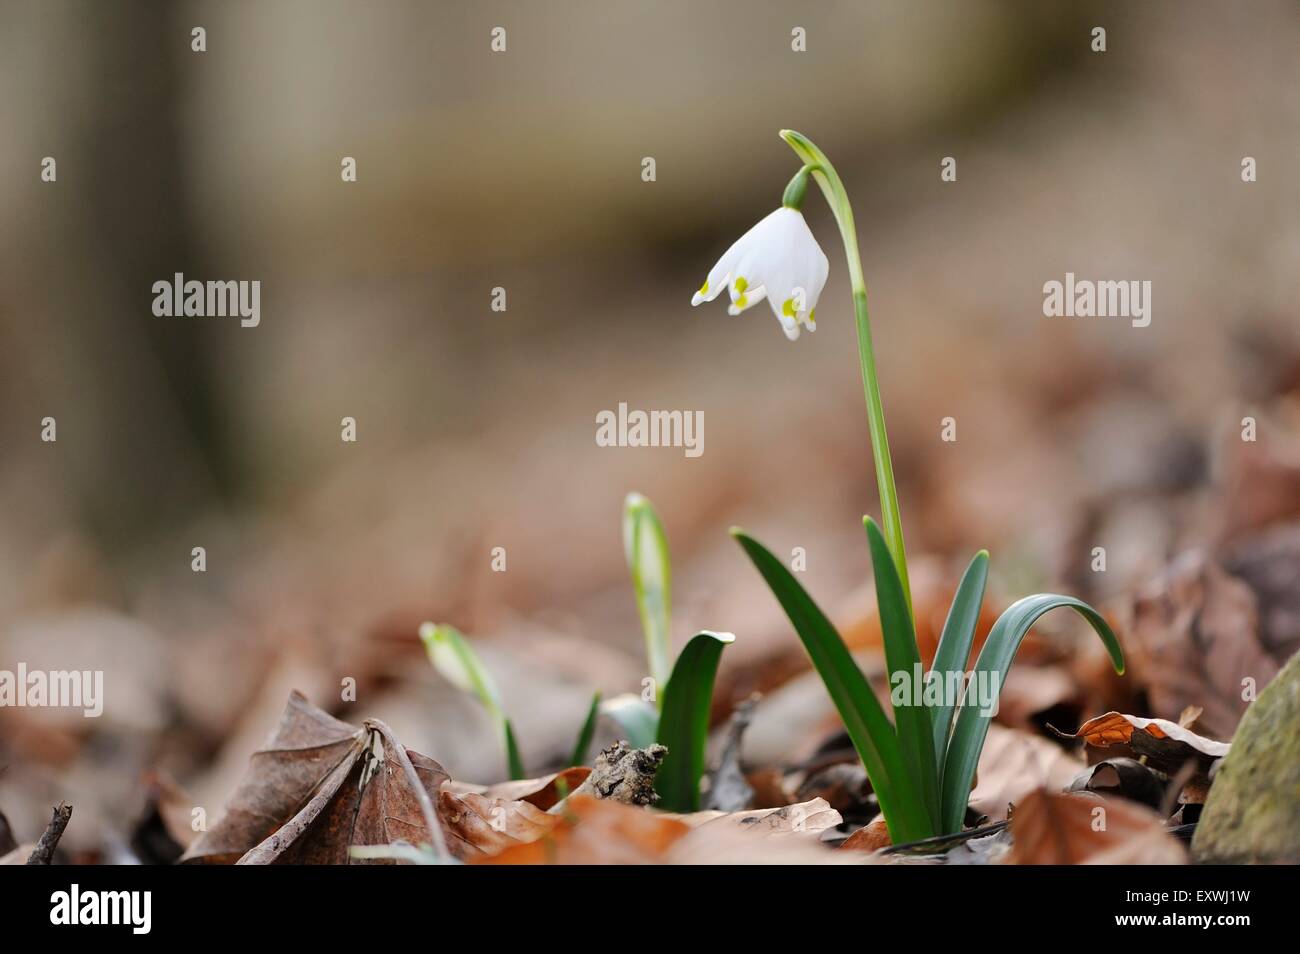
{"points": [[721, 843], [787, 835], [1124, 777], [480, 825], [319, 786], [1166, 745], [1048, 828], [810, 817], [591, 831], [871, 837], [543, 792]]}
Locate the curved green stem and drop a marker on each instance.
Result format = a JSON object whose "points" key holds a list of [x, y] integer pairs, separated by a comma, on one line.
{"points": [[829, 181]]}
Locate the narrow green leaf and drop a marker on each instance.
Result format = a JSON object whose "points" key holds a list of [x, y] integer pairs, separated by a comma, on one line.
{"points": [[583, 744], [637, 719], [451, 655], [995, 658], [684, 721], [514, 761], [954, 649], [646, 548], [906, 678], [901, 800]]}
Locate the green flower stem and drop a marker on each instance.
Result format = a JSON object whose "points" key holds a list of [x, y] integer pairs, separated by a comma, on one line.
{"points": [[829, 181]]}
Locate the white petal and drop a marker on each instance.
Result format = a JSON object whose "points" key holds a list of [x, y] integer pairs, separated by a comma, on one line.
{"points": [[719, 275], [751, 297]]}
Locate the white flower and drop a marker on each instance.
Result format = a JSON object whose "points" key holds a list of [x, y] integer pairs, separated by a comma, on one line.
{"points": [[778, 259]]}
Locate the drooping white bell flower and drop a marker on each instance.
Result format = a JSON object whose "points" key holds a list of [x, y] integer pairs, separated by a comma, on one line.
{"points": [[778, 259]]}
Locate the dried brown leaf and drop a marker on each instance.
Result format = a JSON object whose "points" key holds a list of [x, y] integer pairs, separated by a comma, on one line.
{"points": [[592, 831], [1166, 745], [318, 787], [482, 825], [1048, 828], [871, 837], [1014, 763], [543, 792]]}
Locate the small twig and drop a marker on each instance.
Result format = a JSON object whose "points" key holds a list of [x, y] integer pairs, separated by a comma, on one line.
{"points": [[44, 849], [942, 843]]}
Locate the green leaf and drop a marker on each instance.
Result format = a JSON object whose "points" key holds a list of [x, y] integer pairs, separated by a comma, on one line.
{"points": [[995, 658], [514, 761], [900, 796], [583, 744], [954, 648], [903, 660], [637, 719], [684, 721], [451, 655], [646, 549]]}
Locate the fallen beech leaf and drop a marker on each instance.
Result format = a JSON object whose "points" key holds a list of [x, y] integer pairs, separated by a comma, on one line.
{"points": [[313, 791], [812, 816], [1014, 763], [479, 825], [591, 831], [1166, 745], [871, 837], [723, 843], [1127, 778], [305, 748], [394, 805], [541, 792], [1053, 829]]}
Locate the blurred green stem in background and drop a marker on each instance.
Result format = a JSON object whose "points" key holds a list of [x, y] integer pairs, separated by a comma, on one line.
{"points": [[824, 173]]}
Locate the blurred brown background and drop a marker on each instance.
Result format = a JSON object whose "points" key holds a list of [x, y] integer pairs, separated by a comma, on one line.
{"points": [[522, 169]]}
